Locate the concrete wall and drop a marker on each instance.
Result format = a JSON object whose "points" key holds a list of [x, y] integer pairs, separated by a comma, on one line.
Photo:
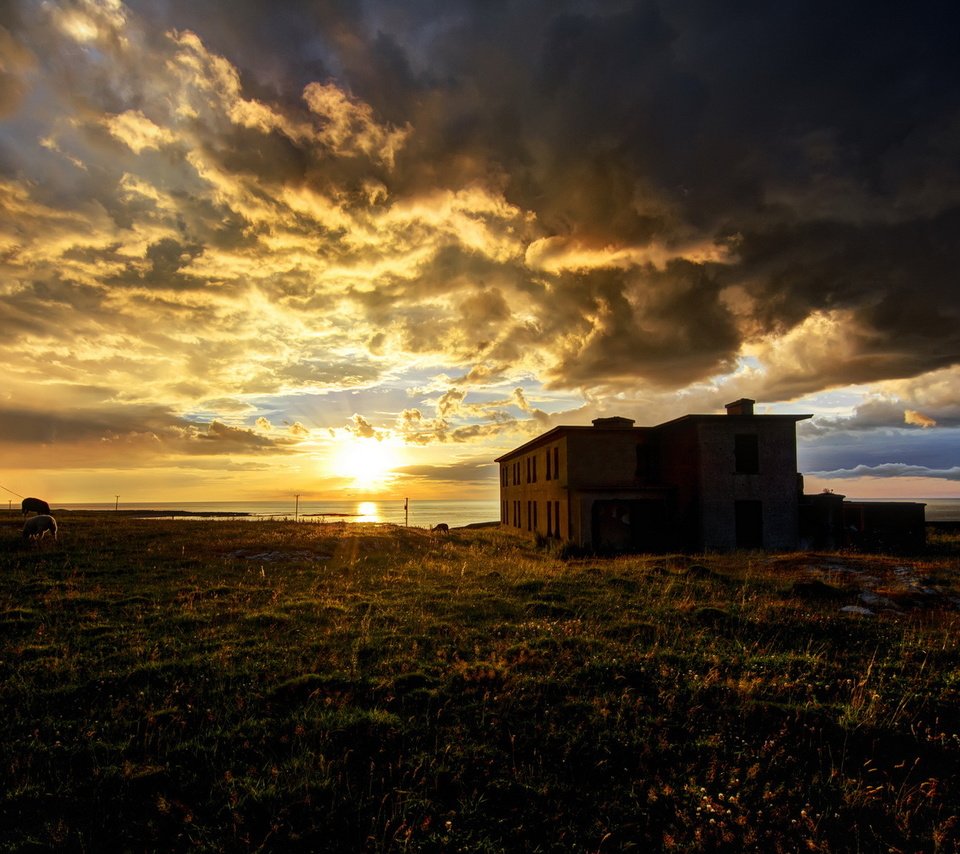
{"points": [[536, 490], [606, 457], [680, 469], [587, 457], [601, 460], [774, 485]]}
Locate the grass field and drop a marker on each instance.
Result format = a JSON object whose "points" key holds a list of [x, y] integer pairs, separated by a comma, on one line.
{"points": [[236, 685]]}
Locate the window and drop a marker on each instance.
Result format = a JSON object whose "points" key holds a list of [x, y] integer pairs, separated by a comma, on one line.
{"points": [[535, 526], [556, 463], [746, 453], [534, 461], [549, 476], [553, 519]]}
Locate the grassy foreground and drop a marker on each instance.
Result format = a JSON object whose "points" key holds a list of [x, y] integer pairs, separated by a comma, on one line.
{"points": [[236, 685]]}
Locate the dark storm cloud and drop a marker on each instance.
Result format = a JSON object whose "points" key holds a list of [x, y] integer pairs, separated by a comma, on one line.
{"points": [[468, 471], [886, 414], [126, 428], [900, 279], [162, 268], [666, 327], [44, 308], [27, 427], [819, 134]]}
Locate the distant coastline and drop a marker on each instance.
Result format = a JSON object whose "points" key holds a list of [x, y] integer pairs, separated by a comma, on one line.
{"points": [[417, 513]]}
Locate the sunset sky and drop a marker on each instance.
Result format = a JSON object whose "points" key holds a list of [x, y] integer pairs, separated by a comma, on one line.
{"points": [[362, 247]]}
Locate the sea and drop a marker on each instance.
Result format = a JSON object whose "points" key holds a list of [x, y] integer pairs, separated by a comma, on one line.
{"points": [[417, 513]]}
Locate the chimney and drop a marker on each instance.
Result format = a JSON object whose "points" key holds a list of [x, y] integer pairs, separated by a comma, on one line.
{"points": [[744, 406]]}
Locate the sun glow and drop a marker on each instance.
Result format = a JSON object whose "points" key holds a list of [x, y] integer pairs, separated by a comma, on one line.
{"points": [[366, 462]]}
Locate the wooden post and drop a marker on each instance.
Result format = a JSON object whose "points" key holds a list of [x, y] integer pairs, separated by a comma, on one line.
{"points": [[406, 512], [116, 505], [296, 512]]}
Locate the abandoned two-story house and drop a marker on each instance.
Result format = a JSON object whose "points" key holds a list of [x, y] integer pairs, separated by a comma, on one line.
{"points": [[700, 482]]}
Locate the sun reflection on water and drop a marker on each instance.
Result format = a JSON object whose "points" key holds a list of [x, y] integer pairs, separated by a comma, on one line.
{"points": [[367, 511]]}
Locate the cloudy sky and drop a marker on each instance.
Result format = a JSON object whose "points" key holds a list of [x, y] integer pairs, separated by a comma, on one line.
{"points": [[345, 247]]}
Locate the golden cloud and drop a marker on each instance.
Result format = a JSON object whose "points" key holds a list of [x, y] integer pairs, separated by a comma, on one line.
{"points": [[349, 126], [87, 21], [137, 132], [918, 419], [560, 254]]}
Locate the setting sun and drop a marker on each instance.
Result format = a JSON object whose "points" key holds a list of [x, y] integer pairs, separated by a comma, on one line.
{"points": [[367, 462]]}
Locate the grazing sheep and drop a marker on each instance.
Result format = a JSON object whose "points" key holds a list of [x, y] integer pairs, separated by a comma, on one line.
{"points": [[34, 505], [37, 527], [442, 528]]}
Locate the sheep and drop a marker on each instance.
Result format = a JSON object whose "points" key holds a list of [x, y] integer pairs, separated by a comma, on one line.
{"points": [[442, 528], [34, 505], [37, 527]]}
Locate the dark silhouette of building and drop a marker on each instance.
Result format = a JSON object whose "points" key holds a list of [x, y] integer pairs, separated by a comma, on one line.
{"points": [[700, 482], [827, 521]]}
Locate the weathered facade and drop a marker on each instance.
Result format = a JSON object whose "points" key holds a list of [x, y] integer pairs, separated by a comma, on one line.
{"points": [[700, 482]]}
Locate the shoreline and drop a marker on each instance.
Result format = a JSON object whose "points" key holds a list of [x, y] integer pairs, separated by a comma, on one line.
{"points": [[230, 514]]}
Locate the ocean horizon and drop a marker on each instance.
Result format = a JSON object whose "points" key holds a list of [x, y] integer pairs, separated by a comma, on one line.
{"points": [[418, 513], [424, 513]]}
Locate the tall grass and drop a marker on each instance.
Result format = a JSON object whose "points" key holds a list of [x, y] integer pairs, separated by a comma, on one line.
{"points": [[237, 685]]}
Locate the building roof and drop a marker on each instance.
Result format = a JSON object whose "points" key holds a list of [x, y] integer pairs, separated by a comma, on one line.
{"points": [[731, 417], [565, 430], [622, 425]]}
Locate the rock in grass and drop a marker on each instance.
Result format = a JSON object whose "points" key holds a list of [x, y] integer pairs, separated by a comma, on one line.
{"points": [[538, 608], [698, 570], [709, 615], [857, 609]]}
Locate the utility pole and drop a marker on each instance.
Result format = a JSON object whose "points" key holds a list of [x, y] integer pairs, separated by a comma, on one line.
{"points": [[116, 505], [296, 512], [406, 512]]}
